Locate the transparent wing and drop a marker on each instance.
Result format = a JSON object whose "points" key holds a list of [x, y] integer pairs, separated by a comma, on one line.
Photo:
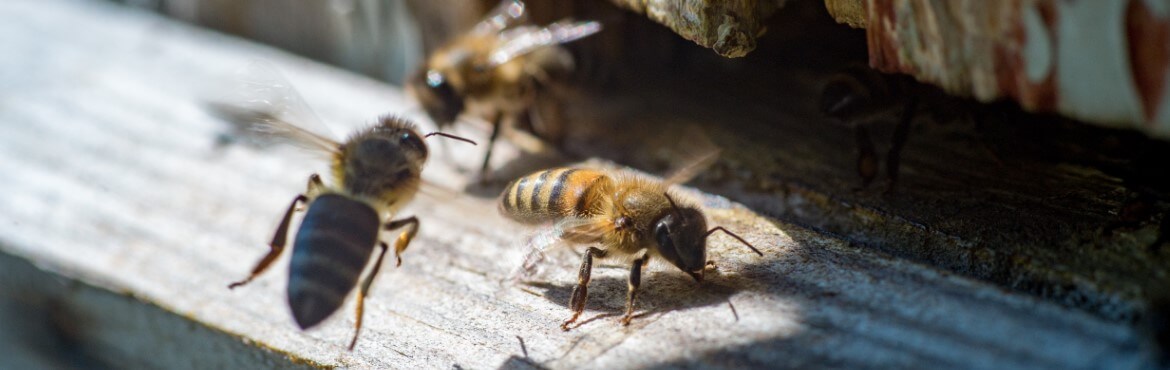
{"points": [[266, 106], [583, 231], [536, 248], [562, 233], [523, 40], [437, 191], [565, 232], [507, 14], [695, 153]]}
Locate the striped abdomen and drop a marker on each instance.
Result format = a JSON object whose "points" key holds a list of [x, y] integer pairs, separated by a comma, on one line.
{"points": [[335, 240], [553, 194]]}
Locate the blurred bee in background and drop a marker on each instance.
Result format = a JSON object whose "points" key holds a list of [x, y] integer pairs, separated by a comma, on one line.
{"points": [[630, 217], [497, 72], [861, 97], [374, 173]]}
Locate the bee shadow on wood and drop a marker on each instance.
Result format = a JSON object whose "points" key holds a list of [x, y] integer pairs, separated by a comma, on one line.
{"points": [[662, 291], [520, 363]]}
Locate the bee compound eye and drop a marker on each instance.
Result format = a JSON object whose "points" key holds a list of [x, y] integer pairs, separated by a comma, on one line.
{"points": [[412, 140], [435, 79], [662, 235]]}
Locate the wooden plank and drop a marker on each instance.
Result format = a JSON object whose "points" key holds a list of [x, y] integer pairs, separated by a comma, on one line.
{"points": [[1029, 202], [1032, 203], [730, 28], [48, 322], [116, 177], [1097, 62]]}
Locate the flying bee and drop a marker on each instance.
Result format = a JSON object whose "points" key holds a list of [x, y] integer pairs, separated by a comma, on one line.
{"points": [[374, 173], [629, 217], [497, 72], [861, 97]]}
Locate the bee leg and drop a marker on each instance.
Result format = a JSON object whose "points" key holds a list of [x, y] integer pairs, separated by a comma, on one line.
{"points": [[487, 157], [635, 282], [867, 160], [314, 188], [404, 238], [581, 291], [277, 244], [364, 292], [901, 133]]}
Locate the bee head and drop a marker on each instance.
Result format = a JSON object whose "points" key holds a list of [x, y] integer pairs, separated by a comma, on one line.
{"points": [[437, 96], [681, 236], [391, 148], [401, 136], [383, 157], [843, 97]]}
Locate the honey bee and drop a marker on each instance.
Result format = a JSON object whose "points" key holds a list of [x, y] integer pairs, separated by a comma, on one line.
{"points": [[629, 217], [374, 173], [861, 96], [497, 71]]}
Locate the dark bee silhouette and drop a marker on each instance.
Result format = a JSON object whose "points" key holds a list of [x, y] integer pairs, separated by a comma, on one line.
{"points": [[861, 97]]}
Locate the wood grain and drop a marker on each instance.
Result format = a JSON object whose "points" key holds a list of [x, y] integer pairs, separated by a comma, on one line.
{"points": [[116, 176]]}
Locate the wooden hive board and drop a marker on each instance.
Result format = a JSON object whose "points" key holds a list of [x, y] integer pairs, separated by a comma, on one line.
{"points": [[119, 189]]}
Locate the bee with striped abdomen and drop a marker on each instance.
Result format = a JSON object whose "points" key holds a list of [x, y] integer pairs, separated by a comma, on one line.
{"points": [[497, 71], [629, 217], [374, 173]]}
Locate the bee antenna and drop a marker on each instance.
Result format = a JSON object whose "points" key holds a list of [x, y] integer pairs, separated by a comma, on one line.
{"points": [[449, 136], [677, 211], [720, 228]]}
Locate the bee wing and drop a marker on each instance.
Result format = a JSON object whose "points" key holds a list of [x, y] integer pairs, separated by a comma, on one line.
{"points": [[523, 40], [565, 232], [583, 230], [695, 154], [437, 191], [266, 106], [507, 14]]}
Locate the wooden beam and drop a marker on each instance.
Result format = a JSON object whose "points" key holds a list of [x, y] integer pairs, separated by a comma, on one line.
{"points": [[117, 178]]}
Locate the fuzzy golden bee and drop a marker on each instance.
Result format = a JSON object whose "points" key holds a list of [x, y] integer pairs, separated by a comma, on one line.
{"points": [[628, 217], [497, 71], [374, 173]]}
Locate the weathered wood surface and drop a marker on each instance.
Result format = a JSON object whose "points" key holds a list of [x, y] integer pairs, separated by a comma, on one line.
{"points": [[1032, 203], [116, 177], [50, 322], [1100, 62], [730, 28]]}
